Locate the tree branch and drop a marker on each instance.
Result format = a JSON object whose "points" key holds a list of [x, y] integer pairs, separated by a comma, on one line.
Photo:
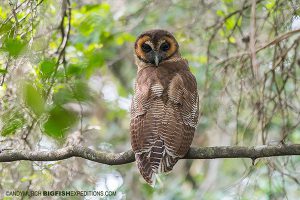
{"points": [[128, 156]]}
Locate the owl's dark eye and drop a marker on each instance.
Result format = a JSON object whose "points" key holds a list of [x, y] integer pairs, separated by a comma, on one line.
{"points": [[146, 48], [165, 46]]}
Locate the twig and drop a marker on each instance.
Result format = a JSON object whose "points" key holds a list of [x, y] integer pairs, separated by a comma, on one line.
{"points": [[6, 68], [62, 47]]}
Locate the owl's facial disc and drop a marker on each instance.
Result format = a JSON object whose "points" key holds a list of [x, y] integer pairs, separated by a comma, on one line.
{"points": [[154, 50]]}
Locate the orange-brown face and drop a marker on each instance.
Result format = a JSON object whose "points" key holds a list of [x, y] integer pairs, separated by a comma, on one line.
{"points": [[155, 46]]}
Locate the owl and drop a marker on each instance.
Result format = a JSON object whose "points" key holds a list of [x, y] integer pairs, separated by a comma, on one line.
{"points": [[165, 105]]}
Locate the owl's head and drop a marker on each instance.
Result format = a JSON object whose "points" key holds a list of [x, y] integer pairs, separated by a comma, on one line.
{"points": [[156, 46]]}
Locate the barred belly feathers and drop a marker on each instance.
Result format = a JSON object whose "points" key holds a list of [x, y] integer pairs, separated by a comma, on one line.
{"points": [[165, 105]]}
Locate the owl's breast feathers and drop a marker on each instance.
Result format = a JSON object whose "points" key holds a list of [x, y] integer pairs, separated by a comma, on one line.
{"points": [[164, 114]]}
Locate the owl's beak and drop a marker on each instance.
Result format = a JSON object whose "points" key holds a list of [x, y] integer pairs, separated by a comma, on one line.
{"points": [[157, 58]]}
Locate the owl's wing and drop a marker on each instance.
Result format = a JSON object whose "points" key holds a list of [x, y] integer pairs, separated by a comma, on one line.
{"points": [[181, 117], [147, 110]]}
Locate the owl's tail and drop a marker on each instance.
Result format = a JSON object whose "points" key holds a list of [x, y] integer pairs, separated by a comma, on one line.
{"points": [[167, 163], [154, 161], [144, 165]]}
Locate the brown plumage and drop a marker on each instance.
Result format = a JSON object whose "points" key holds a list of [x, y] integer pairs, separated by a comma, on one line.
{"points": [[164, 110]]}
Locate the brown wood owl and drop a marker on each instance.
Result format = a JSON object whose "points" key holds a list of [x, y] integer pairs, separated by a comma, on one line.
{"points": [[165, 106]]}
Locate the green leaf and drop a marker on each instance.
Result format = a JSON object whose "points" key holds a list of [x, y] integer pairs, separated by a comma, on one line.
{"points": [[62, 96], [270, 4], [78, 91], [220, 13], [47, 67], [7, 198], [239, 22], [81, 91], [96, 59], [33, 99], [5, 27], [227, 1], [13, 46], [105, 6], [203, 59], [75, 70], [59, 122], [124, 37], [3, 13], [230, 23], [12, 120], [232, 40], [3, 71]]}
